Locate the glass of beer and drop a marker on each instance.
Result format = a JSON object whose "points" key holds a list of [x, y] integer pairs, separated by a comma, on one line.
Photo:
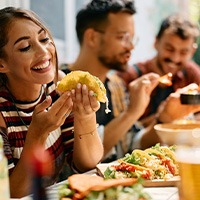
{"points": [[188, 158]]}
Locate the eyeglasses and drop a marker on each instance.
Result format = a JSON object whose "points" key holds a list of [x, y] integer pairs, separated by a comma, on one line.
{"points": [[125, 38]]}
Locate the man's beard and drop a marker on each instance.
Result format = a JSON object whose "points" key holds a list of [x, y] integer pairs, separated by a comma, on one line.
{"points": [[113, 64], [168, 61]]}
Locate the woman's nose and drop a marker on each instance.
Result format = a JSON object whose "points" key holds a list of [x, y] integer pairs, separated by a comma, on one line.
{"points": [[41, 49]]}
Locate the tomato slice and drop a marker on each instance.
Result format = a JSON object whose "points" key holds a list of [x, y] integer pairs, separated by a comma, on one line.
{"points": [[168, 163], [125, 167]]}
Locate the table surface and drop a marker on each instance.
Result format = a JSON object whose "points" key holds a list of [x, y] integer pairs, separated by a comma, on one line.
{"points": [[157, 193]]}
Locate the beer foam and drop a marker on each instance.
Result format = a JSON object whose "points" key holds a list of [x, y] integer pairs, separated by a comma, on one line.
{"points": [[188, 155]]}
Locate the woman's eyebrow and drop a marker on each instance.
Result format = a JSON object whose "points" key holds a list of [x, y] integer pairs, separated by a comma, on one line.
{"points": [[41, 30], [27, 37], [21, 38]]}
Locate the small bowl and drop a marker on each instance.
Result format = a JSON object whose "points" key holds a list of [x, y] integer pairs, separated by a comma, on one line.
{"points": [[190, 98], [179, 134]]}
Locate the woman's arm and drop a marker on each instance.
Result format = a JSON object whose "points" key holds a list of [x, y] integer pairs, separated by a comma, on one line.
{"points": [[88, 148]]}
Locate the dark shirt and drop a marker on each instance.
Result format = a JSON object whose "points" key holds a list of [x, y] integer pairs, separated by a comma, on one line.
{"points": [[102, 117]]}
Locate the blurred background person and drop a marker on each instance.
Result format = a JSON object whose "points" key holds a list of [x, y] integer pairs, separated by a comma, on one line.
{"points": [[175, 44], [105, 31]]}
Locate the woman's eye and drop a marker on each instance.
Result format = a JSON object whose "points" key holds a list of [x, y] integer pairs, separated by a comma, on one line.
{"points": [[25, 48], [45, 40]]}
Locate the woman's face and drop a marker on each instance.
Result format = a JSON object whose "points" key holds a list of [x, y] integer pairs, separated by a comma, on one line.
{"points": [[30, 54]]}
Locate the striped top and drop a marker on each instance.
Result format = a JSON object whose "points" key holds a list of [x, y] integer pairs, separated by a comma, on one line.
{"points": [[18, 117]]}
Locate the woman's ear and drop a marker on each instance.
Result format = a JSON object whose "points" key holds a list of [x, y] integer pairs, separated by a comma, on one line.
{"points": [[3, 68]]}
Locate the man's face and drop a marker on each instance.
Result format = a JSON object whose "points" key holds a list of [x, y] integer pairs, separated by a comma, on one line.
{"points": [[116, 41], [173, 52]]}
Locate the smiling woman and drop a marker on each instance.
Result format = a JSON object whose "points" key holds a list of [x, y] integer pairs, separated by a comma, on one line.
{"points": [[32, 112]]}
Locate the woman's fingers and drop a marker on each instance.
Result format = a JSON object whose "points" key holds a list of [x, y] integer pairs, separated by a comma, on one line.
{"points": [[61, 107], [44, 105], [84, 100], [93, 101]]}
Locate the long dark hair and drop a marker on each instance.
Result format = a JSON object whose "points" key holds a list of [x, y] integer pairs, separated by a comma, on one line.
{"points": [[7, 16]]}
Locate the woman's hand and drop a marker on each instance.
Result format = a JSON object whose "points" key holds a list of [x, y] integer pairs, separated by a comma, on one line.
{"points": [[47, 117], [84, 102]]}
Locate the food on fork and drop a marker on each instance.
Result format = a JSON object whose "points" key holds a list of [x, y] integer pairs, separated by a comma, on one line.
{"points": [[166, 79], [93, 83]]}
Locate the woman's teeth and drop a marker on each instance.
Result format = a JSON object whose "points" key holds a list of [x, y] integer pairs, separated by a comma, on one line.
{"points": [[43, 66]]}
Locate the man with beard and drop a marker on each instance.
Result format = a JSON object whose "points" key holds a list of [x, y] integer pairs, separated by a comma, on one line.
{"points": [[175, 44], [105, 31]]}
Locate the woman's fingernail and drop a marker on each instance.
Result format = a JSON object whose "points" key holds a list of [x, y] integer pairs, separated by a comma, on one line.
{"points": [[91, 93], [84, 87], [78, 85]]}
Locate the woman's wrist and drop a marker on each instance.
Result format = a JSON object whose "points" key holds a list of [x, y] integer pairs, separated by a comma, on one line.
{"points": [[88, 133]]}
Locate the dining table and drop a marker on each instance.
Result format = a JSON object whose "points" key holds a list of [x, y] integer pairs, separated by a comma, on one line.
{"points": [[156, 193]]}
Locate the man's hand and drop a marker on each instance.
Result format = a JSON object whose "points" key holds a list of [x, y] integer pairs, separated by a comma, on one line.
{"points": [[172, 109], [140, 91]]}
